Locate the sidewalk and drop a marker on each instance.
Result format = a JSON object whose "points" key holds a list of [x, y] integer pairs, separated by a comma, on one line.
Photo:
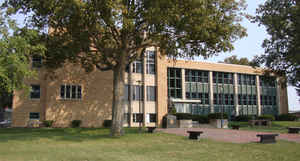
{"points": [[229, 135]]}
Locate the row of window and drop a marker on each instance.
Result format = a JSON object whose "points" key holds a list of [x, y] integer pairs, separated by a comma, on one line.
{"points": [[220, 99], [198, 96], [137, 117], [221, 77], [246, 79], [196, 76], [66, 92], [244, 99], [137, 93]]}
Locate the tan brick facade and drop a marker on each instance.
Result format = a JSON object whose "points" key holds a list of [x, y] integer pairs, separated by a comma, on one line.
{"points": [[95, 105]]}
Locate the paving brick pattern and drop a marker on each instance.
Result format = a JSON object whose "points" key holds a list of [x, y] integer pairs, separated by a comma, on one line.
{"points": [[229, 135]]}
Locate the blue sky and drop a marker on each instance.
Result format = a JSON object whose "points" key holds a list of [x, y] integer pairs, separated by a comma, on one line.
{"points": [[250, 46]]}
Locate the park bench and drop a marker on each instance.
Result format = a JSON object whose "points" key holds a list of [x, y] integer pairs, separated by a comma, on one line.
{"points": [[294, 130], [194, 134], [236, 127], [151, 129], [267, 138]]}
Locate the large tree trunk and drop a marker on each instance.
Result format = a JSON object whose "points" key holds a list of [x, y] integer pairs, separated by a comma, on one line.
{"points": [[118, 101]]}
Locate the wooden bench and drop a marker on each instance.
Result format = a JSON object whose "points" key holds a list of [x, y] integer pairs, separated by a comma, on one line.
{"points": [[267, 138], [151, 129], [194, 134], [236, 127], [294, 130]]}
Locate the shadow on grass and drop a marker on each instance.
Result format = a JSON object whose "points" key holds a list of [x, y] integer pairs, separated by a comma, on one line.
{"points": [[59, 134]]}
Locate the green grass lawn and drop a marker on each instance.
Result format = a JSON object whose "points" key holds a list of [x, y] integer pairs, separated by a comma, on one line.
{"points": [[96, 145], [277, 126]]}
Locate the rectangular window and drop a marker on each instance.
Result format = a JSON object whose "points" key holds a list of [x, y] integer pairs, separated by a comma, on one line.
{"points": [[151, 93], [150, 65], [138, 117], [126, 92], [152, 117], [70, 92], [36, 61], [137, 67], [137, 93], [35, 92], [221, 77], [34, 116], [174, 83]]}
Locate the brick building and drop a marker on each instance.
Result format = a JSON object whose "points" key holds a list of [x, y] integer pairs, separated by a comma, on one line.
{"points": [[194, 87]]}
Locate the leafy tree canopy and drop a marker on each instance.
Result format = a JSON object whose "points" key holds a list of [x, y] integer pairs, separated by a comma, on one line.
{"points": [[109, 34], [16, 47], [235, 60], [282, 48]]}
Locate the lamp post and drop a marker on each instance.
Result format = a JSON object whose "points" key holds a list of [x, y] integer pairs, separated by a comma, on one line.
{"points": [[140, 98]]}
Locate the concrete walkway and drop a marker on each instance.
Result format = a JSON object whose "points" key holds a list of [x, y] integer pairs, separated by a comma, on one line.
{"points": [[229, 135]]}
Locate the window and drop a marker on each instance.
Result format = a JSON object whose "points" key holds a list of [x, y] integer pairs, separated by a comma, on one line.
{"points": [[35, 92], [246, 79], [137, 93], [196, 76], [174, 83], [221, 77], [70, 92], [267, 81], [36, 61], [137, 67], [34, 116], [138, 117], [151, 93], [126, 92], [152, 117], [150, 65]]}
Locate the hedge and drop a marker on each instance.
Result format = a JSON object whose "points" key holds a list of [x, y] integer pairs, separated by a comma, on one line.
{"points": [[286, 117]]}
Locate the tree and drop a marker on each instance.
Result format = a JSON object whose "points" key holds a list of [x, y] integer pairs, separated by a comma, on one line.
{"points": [[234, 60], [282, 48], [109, 34], [16, 47]]}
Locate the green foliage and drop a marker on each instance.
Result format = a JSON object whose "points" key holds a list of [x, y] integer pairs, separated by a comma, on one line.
{"points": [[282, 22], [16, 46], [266, 117], [107, 123], [217, 116], [48, 123], [286, 117], [202, 119], [75, 123], [242, 61], [244, 118], [173, 110], [183, 116]]}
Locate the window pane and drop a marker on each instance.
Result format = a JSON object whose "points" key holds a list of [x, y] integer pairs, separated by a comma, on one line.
{"points": [[73, 92], [34, 115], [68, 91], [79, 95], [35, 91], [62, 91]]}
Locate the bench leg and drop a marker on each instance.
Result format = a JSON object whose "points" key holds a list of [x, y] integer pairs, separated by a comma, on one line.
{"points": [[269, 139], [194, 136]]}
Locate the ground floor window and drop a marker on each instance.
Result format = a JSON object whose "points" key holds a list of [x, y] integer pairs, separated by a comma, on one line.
{"points": [[151, 117], [34, 115], [138, 117], [70, 92], [35, 92]]}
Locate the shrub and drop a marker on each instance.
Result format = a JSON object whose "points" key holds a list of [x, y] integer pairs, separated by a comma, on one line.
{"points": [[75, 123], [217, 116], [244, 118], [107, 123], [48, 123], [183, 116], [203, 119], [266, 117], [286, 117]]}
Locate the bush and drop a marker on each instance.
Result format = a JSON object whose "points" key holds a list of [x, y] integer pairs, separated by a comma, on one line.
{"points": [[184, 116], [244, 118], [76, 123], [286, 117], [266, 117], [107, 123], [202, 119], [217, 116], [48, 123]]}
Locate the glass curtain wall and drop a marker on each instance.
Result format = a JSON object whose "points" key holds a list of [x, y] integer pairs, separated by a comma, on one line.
{"points": [[223, 92], [268, 95], [247, 97], [197, 88]]}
